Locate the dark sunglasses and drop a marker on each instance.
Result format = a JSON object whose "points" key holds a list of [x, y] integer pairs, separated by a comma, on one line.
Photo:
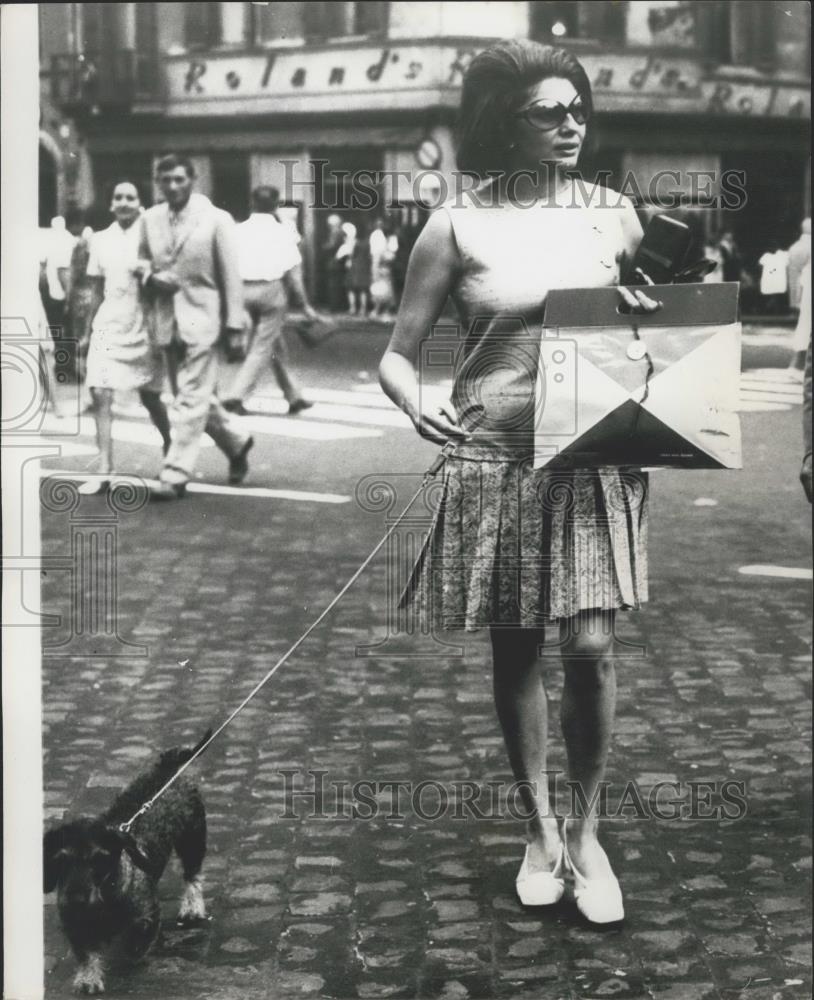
{"points": [[546, 115]]}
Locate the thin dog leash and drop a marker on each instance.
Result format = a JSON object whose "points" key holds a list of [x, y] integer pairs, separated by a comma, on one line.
{"points": [[431, 472]]}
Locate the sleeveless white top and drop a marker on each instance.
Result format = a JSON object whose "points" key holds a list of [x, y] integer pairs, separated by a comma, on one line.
{"points": [[511, 256]]}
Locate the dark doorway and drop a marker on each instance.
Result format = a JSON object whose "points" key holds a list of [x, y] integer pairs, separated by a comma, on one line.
{"points": [[48, 187], [774, 206], [231, 183]]}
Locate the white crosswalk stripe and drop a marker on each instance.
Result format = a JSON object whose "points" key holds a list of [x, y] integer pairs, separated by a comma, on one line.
{"points": [[217, 489], [768, 389], [335, 405], [139, 431], [362, 411]]}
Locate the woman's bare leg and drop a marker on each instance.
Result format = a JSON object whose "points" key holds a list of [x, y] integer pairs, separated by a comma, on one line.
{"points": [[103, 414], [522, 710], [587, 713]]}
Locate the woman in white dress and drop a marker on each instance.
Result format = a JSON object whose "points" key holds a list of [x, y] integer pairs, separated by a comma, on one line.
{"points": [[121, 356]]}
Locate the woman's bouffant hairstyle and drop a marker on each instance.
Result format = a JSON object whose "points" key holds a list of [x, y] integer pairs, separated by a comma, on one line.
{"points": [[493, 88]]}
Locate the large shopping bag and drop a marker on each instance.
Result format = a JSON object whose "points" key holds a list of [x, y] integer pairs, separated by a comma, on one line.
{"points": [[619, 388]]}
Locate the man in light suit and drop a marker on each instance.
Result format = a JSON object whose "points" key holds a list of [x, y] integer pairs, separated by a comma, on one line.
{"points": [[188, 263]]}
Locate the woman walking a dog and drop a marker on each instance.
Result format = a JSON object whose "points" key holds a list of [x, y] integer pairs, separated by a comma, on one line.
{"points": [[513, 548]]}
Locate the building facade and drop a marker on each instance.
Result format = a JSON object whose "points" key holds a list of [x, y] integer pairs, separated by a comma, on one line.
{"points": [[305, 95]]}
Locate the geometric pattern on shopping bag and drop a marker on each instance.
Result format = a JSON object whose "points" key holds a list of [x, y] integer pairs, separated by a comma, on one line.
{"points": [[703, 383], [563, 412], [623, 417], [667, 347], [631, 435]]}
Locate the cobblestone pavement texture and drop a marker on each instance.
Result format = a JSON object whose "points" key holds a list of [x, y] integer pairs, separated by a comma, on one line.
{"points": [[217, 588]]}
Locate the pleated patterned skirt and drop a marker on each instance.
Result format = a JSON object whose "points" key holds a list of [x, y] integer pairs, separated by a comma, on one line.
{"points": [[511, 545]]}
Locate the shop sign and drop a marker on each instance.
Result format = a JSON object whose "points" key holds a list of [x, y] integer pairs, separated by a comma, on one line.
{"points": [[428, 154], [638, 82], [644, 82]]}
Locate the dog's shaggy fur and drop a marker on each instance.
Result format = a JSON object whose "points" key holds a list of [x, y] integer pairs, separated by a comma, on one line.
{"points": [[106, 880]]}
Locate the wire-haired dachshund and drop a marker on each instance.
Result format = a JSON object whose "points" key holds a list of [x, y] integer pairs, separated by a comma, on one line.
{"points": [[107, 880]]}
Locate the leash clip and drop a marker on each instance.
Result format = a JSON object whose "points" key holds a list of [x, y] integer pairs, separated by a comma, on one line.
{"points": [[125, 827]]}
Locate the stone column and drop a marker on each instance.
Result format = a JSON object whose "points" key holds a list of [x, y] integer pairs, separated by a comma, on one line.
{"points": [[126, 25], [233, 24]]}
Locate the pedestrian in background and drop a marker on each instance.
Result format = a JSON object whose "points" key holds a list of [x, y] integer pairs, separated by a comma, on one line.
{"points": [[712, 252], [359, 272], [731, 259], [121, 356], [805, 470], [333, 267], [802, 332], [774, 281], [383, 248], [55, 289], [799, 256], [512, 547], [59, 247], [196, 296], [270, 266], [44, 332]]}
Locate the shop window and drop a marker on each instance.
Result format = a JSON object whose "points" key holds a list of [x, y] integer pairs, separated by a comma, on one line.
{"points": [[202, 25], [792, 36], [146, 71], [146, 26], [281, 23], [370, 17], [747, 37], [339, 20], [669, 24], [98, 26], [765, 35], [601, 20]]}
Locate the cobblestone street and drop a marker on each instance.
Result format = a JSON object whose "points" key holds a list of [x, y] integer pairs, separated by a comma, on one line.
{"points": [[714, 686]]}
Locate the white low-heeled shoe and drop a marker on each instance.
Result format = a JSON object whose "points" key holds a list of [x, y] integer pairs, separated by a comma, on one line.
{"points": [[541, 888], [94, 487], [598, 899]]}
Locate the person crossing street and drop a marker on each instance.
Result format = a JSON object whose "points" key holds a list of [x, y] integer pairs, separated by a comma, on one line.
{"points": [[270, 266], [188, 262]]}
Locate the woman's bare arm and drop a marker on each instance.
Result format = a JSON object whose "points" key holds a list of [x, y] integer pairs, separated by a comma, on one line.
{"points": [[431, 274]]}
